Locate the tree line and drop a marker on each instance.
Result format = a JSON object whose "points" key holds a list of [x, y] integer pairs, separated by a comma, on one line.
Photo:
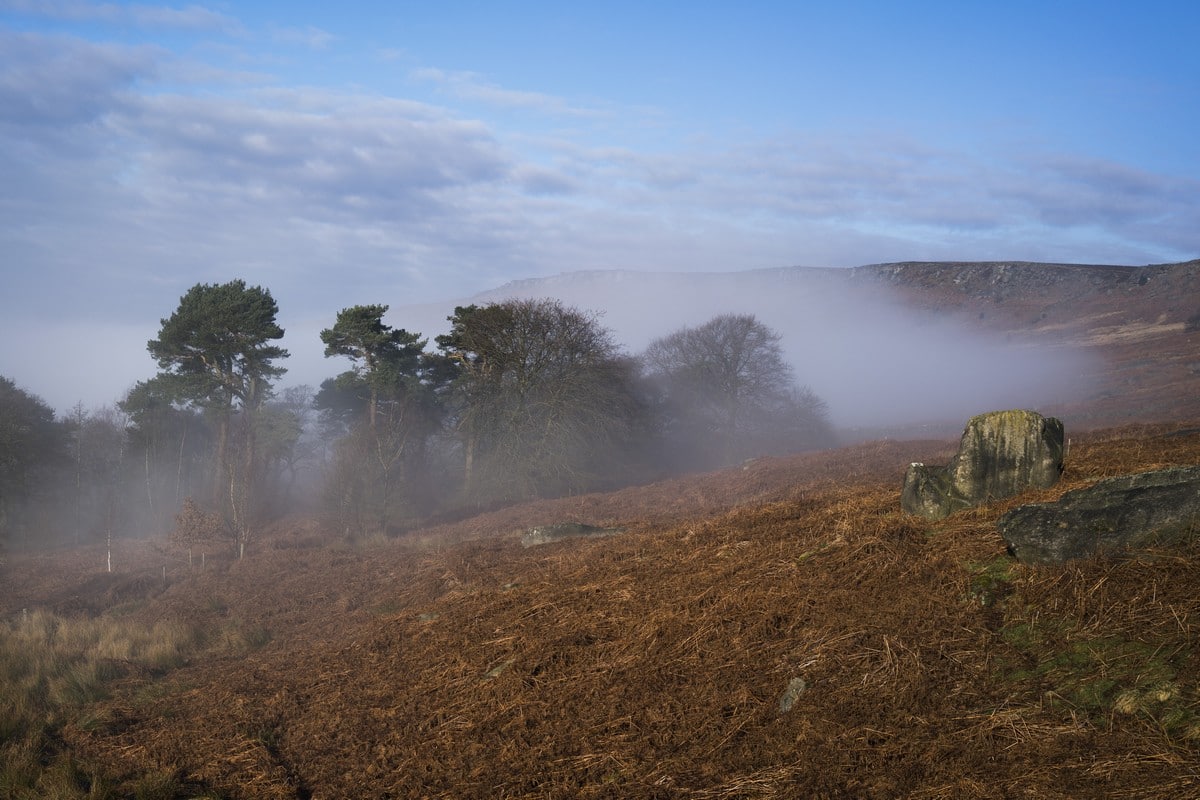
{"points": [[517, 400]]}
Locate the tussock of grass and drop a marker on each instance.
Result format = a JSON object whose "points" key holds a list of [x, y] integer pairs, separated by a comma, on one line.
{"points": [[238, 639], [159, 785], [53, 667]]}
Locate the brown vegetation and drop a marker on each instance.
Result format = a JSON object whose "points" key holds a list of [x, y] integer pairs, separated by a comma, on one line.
{"points": [[922, 661]]}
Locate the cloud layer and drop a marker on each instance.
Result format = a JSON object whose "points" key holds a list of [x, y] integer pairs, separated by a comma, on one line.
{"points": [[132, 171]]}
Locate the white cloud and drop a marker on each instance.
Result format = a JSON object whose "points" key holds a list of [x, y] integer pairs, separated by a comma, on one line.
{"points": [[50, 81], [472, 86], [192, 17]]}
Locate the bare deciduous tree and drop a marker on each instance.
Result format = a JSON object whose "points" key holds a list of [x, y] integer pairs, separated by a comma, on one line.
{"points": [[727, 392]]}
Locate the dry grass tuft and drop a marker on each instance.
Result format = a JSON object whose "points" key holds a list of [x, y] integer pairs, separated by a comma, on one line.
{"points": [[52, 668]]}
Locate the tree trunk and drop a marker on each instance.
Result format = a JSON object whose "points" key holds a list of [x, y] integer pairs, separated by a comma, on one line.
{"points": [[149, 484], [221, 466], [179, 467], [469, 463]]}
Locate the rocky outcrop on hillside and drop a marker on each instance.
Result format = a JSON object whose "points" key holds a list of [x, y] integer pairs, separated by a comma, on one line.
{"points": [[559, 531], [1006, 279], [1001, 454], [1113, 515]]}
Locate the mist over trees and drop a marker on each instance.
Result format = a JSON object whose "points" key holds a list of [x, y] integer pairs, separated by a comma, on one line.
{"points": [[516, 400], [168, 445], [542, 401], [388, 406], [215, 353], [726, 392]]}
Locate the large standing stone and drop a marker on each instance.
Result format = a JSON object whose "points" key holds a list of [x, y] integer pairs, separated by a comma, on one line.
{"points": [[1001, 454], [1114, 514]]}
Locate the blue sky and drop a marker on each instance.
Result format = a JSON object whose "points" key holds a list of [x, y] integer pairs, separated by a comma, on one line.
{"points": [[413, 152]]}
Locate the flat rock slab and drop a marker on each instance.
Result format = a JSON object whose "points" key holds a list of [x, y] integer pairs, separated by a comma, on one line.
{"points": [[1112, 515], [545, 534]]}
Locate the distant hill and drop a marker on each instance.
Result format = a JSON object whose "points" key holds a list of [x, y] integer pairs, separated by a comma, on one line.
{"points": [[922, 345]]}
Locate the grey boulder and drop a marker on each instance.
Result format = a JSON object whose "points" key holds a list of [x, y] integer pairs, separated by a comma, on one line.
{"points": [[1112, 515], [1001, 454]]}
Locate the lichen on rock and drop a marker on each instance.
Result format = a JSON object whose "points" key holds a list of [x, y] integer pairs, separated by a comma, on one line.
{"points": [[1001, 454], [1115, 514]]}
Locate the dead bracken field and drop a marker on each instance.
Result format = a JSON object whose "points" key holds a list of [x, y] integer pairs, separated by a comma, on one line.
{"points": [[922, 662]]}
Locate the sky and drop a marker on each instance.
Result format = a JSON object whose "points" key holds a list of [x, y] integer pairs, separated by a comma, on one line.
{"points": [[407, 153]]}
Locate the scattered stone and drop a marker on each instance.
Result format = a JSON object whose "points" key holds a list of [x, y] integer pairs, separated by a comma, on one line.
{"points": [[795, 688], [499, 669], [545, 534], [1112, 515], [1001, 454]]}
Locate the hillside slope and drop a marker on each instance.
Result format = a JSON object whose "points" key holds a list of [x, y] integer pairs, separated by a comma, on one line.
{"points": [[922, 662], [1141, 325]]}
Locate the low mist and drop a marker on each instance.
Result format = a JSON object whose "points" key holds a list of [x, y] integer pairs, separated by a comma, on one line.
{"points": [[873, 366], [877, 363]]}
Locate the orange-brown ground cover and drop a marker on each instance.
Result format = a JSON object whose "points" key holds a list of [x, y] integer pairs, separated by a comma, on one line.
{"points": [[455, 663]]}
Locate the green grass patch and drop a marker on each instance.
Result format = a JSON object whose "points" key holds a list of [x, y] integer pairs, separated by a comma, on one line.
{"points": [[1057, 656], [1103, 676], [990, 581]]}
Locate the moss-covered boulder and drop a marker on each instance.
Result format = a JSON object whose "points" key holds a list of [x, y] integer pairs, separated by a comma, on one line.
{"points": [[1001, 454], [1132, 511]]}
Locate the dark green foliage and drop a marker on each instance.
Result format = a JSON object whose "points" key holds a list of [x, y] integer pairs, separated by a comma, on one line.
{"points": [[385, 358], [544, 403], [217, 344], [216, 351], [32, 444], [389, 407]]}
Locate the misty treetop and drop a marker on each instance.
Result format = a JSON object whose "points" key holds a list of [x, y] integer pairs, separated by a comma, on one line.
{"points": [[727, 392], [532, 398], [543, 402]]}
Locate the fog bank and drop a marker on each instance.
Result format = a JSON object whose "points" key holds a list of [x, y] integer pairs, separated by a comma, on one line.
{"points": [[877, 362], [874, 360]]}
